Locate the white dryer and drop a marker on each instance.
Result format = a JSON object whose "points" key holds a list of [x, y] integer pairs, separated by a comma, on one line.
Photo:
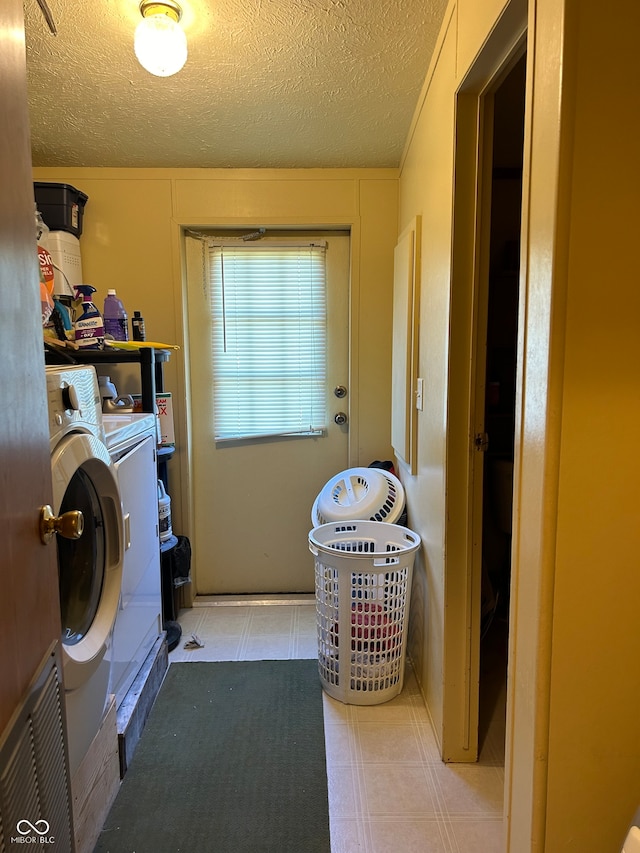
{"points": [[89, 567], [132, 441]]}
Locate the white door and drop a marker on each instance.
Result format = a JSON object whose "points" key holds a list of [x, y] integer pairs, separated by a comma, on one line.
{"points": [[253, 498]]}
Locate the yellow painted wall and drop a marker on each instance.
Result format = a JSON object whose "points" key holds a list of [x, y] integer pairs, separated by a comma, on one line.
{"points": [[474, 21], [594, 731], [131, 241], [426, 190], [573, 753], [371, 317]]}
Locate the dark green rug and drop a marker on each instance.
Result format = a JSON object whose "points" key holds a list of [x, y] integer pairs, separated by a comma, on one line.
{"points": [[231, 760]]}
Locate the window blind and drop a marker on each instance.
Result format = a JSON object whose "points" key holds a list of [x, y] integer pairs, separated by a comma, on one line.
{"points": [[268, 339]]}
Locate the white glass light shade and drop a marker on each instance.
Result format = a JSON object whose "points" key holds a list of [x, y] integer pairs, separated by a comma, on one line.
{"points": [[160, 45]]}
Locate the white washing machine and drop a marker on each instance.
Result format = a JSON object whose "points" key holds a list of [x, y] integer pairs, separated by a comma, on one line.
{"points": [[90, 566], [132, 442]]}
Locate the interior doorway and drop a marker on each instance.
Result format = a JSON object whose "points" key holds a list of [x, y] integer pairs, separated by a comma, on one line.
{"points": [[501, 294]]}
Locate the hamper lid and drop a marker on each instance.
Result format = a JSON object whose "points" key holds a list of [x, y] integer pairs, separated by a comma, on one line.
{"points": [[372, 494]]}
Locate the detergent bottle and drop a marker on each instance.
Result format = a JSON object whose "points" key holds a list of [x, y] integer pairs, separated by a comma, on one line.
{"points": [[137, 326], [164, 513], [88, 325], [115, 317]]}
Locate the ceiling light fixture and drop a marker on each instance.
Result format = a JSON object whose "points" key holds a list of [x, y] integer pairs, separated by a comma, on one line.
{"points": [[159, 42]]}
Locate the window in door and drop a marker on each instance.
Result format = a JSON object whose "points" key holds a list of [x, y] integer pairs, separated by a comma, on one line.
{"points": [[268, 339]]}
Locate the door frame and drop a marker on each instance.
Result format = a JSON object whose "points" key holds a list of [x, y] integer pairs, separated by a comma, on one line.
{"points": [[465, 415], [551, 44], [181, 232], [221, 466]]}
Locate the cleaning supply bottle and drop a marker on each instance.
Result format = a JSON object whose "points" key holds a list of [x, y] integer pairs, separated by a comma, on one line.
{"points": [[164, 513], [108, 390], [137, 327], [89, 326], [115, 318], [65, 318], [46, 268]]}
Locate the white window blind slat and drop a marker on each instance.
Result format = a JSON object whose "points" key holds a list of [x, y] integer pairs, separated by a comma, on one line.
{"points": [[268, 340]]}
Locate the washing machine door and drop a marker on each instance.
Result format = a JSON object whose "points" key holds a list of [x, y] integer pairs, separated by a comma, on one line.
{"points": [[89, 568]]}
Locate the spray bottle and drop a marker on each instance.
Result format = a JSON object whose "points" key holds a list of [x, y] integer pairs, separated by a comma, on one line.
{"points": [[89, 326]]}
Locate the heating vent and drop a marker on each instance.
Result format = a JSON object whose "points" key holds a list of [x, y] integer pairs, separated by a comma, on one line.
{"points": [[34, 780]]}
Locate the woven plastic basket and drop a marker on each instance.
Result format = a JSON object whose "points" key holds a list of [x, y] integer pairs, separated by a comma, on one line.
{"points": [[371, 494], [363, 572]]}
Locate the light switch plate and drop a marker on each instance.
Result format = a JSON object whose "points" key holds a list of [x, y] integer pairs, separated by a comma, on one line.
{"points": [[419, 394]]}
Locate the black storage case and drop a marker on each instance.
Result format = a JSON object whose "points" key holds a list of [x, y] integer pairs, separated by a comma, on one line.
{"points": [[61, 206]]}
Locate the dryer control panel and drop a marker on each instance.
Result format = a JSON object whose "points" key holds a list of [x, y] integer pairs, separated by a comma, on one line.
{"points": [[73, 399]]}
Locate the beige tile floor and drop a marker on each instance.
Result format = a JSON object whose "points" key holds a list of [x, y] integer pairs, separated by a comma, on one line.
{"points": [[389, 792]]}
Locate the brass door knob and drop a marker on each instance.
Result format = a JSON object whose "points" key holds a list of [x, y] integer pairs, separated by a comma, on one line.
{"points": [[69, 524]]}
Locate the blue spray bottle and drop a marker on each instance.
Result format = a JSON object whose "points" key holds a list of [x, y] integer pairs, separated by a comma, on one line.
{"points": [[89, 325]]}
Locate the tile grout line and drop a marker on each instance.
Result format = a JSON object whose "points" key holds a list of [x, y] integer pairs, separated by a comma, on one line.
{"points": [[244, 636], [294, 640], [359, 773], [440, 810]]}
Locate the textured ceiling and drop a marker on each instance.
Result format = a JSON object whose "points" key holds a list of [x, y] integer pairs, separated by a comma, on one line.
{"points": [[268, 83]]}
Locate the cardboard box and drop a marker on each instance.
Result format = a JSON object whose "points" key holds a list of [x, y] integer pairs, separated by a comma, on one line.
{"points": [[164, 405], [165, 413]]}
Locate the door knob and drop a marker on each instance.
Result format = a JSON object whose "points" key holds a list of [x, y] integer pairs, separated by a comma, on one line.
{"points": [[69, 524], [340, 418]]}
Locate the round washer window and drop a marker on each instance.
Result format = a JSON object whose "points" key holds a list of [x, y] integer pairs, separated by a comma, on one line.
{"points": [[81, 562]]}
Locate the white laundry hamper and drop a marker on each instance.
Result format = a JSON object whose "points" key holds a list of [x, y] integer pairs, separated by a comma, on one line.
{"points": [[363, 572]]}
